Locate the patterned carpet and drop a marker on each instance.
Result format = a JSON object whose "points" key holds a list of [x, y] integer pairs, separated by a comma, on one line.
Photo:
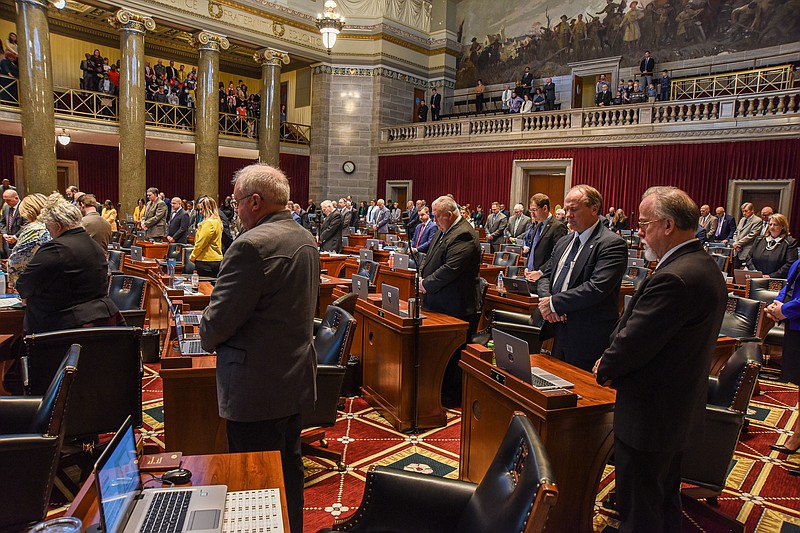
{"points": [[759, 493]]}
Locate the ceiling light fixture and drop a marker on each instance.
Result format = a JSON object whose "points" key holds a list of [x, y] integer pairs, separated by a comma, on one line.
{"points": [[59, 4], [329, 24], [64, 138]]}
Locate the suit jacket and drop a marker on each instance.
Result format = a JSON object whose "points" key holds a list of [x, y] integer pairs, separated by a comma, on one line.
{"points": [[347, 218], [746, 232], [383, 218], [66, 284], [260, 322], [791, 306], [522, 226], [436, 102], [603, 98], [422, 242], [527, 80], [330, 233], [11, 223], [661, 351], [728, 227], [774, 263], [450, 272], [549, 92], [647, 65], [98, 229], [591, 300], [155, 218], [551, 233], [413, 221], [179, 226], [709, 224], [496, 226]]}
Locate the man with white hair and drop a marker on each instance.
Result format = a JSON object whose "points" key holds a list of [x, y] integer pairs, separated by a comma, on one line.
{"points": [[330, 233], [518, 225], [382, 219], [11, 221]]}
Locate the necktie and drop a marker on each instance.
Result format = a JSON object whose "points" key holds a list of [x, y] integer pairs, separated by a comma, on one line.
{"points": [[516, 225], [11, 218], [764, 228], [719, 226], [562, 274], [534, 243], [419, 238]]}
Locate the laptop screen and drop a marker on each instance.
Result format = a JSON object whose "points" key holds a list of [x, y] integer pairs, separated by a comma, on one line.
{"points": [[361, 286], [365, 254], [390, 299], [401, 261], [136, 253], [117, 480]]}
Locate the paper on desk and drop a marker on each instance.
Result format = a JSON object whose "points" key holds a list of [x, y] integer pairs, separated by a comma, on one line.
{"points": [[11, 301]]}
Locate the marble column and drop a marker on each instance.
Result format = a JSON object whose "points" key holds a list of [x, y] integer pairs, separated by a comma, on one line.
{"points": [[36, 96], [206, 130], [131, 105], [269, 123]]}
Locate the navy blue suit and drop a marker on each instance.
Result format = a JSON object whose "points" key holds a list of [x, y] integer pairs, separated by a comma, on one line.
{"points": [[728, 227], [421, 244]]}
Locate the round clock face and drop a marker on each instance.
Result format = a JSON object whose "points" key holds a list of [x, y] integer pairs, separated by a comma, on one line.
{"points": [[349, 167]]}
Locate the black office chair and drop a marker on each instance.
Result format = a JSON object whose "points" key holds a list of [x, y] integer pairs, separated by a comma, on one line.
{"points": [[127, 292], [31, 434], [516, 494], [369, 269], [515, 271], [766, 290], [505, 259], [115, 261], [175, 251], [635, 276], [520, 325], [741, 319], [722, 261], [332, 344], [346, 302], [128, 242], [188, 264]]}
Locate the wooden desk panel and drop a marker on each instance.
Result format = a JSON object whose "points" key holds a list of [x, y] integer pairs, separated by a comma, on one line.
{"points": [[490, 272], [578, 439], [403, 279], [357, 241], [505, 301], [722, 352], [332, 263], [239, 471], [326, 286], [156, 250]]}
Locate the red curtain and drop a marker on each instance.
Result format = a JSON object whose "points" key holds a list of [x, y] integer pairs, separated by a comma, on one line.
{"points": [[294, 166], [620, 173]]}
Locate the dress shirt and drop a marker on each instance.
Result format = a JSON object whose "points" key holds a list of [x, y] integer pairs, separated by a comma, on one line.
{"points": [[583, 237]]}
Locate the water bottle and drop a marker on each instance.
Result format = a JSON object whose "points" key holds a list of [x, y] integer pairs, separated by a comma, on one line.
{"points": [[391, 260], [500, 286], [2, 282], [195, 281], [171, 271]]}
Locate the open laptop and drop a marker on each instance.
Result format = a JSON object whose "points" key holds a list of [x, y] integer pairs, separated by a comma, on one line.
{"points": [[361, 286], [401, 246], [391, 239], [390, 301], [486, 248], [513, 356], [136, 253], [401, 261], [126, 507], [519, 286], [372, 244], [365, 254], [740, 275], [190, 344], [345, 241], [635, 262], [192, 318]]}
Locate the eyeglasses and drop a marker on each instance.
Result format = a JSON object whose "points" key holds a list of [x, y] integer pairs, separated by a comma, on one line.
{"points": [[644, 223], [235, 202]]}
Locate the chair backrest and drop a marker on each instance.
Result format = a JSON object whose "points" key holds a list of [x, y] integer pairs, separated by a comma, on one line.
{"points": [[481, 289], [514, 271], [720, 250], [128, 242], [368, 269], [505, 259], [722, 261], [109, 387], [49, 416], [115, 260], [521, 325], [347, 302], [734, 386], [334, 337], [518, 489], [633, 253], [127, 292], [741, 319], [188, 265], [175, 251], [764, 289], [636, 275]]}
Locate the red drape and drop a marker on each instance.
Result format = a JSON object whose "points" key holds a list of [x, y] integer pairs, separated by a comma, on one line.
{"points": [[621, 174], [294, 166]]}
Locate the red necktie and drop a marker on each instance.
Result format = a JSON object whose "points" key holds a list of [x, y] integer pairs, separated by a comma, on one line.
{"points": [[420, 235]]}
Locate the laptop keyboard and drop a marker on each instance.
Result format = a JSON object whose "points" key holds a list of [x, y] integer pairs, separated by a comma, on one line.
{"points": [[167, 512], [191, 319], [539, 382], [192, 347]]}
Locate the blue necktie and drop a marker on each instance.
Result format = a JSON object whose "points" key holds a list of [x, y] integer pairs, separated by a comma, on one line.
{"points": [[562, 274], [534, 243]]}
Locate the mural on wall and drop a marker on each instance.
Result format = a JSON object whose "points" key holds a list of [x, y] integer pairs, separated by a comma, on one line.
{"points": [[500, 38]]}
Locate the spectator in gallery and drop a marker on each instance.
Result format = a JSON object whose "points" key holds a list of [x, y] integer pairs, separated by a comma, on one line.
{"points": [[479, 89], [603, 97], [506, 99], [598, 87], [664, 84], [549, 94], [526, 82], [527, 105], [436, 104], [652, 93], [422, 112], [647, 66], [617, 100], [538, 100], [516, 103]]}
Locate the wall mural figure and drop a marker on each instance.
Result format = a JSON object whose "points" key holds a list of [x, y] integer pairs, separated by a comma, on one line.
{"points": [[500, 38]]}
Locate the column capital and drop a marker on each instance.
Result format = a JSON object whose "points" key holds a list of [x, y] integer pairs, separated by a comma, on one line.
{"points": [[270, 56], [206, 40], [128, 20]]}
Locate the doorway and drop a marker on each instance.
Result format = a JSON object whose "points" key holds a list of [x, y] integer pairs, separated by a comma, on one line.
{"points": [[778, 194], [577, 92], [550, 184], [66, 175], [419, 98], [399, 191], [549, 175]]}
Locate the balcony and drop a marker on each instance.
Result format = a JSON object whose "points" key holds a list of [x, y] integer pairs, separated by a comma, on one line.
{"points": [[95, 106]]}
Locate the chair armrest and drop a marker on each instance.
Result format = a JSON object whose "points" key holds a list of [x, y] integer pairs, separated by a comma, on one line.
{"points": [[395, 500], [713, 385], [511, 317], [329, 387], [743, 340], [317, 324], [17, 412]]}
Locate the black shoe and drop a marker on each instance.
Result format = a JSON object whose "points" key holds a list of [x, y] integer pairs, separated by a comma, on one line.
{"points": [[783, 449]]}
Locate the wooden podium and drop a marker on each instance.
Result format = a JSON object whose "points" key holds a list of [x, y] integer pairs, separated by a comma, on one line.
{"points": [[575, 427]]}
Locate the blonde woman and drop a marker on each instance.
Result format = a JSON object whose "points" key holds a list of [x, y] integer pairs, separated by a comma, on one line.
{"points": [[207, 253], [110, 214], [30, 237]]}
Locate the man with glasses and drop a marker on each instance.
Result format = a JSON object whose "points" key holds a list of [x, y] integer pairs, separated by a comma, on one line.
{"points": [[260, 324], [658, 362], [542, 237], [579, 289]]}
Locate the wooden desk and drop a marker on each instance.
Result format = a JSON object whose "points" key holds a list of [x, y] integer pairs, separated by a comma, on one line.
{"points": [[239, 471], [490, 272], [196, 301], [357, 241], [156, 250], [403, 279], [332, 263], [138, 268], [722, 352], [576, 430], [381, 256], [326, 285]]}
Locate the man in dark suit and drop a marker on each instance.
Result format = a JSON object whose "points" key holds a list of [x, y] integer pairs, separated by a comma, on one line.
{"points": [[659, 366], [724, 227], [412, 219], [424, 232], [603, 98], [178, 229], [270, 272], [495, 226], [11, 221], [436, 104], [549, 91], [579, 291], [541, 238], [330, 233], [518, 225], [646, 68], [526, 83], [422, 112]]}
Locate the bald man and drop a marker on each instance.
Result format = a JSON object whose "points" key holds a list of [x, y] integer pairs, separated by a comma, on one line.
{"points": [[178, 228], [11, 221]]}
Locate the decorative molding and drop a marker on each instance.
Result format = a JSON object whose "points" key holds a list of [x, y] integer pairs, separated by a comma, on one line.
{"points": [[133, 21], [270, 56], [206, 40], [370, 73], [37, 3]]}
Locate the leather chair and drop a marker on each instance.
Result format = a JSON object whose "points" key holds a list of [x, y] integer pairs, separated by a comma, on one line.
{"points": [[188, 264], [127, 292], [705, 463], [635, 276], [346, 302], [742, 318], [766, 290], [515, 271], [722, 262], [369, 269], [516, 494], [520, 325], [115, 261], [31, 434], [175, 251], [332, 344], [505, 259], [128, 242]]}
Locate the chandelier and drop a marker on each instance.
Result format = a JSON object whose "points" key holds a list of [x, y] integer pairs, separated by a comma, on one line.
{"points": [[330, 24]]}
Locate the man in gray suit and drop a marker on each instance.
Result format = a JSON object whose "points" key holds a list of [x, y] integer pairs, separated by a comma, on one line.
{"points": [[154, 220], [495, 227], [746, 231], [382, 219], [260, 322], [707, 220], [518, 225], [95, 225], [330, 233]]}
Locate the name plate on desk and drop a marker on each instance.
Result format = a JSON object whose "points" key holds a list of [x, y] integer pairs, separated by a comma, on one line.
{"points": [[498, 377]]}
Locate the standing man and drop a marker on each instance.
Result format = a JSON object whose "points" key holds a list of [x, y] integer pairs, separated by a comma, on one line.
{"points": [[412, 217], [436, 104], [267, 289], [95, 225], [518, 225], [347, 215], [178, 230], [766, 212], [11, 222], [506, 99], [746, 231], [659, 366], [540, 240], [330, 233], [646, 68], [549, 94], [382, 217], [706, 220], [154, 220], [603, 97], [495, 227], [424, 232], [579, 291], [422, 112], [724, 226], [526, 82]]}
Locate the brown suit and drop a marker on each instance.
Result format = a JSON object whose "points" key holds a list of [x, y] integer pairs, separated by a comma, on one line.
{"points": [[98, 229]]}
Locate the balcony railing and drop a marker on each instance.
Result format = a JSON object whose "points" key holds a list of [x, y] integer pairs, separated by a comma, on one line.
{"points": [[733, 83], [598, 120], [92, 105]]}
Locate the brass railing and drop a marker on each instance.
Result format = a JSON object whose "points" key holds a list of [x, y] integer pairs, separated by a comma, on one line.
{"points": [[291, 132], [733, 83], [236, 126], [85, 104], [9, 91], [171, 116]]}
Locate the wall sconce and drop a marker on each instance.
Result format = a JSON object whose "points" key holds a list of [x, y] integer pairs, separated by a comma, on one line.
{"points": [[59, 4], [63, 138]]}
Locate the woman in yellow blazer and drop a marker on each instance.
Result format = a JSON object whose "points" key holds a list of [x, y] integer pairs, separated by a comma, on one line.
{"points": [[110, 214], [139, 210], [207, 253]]}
